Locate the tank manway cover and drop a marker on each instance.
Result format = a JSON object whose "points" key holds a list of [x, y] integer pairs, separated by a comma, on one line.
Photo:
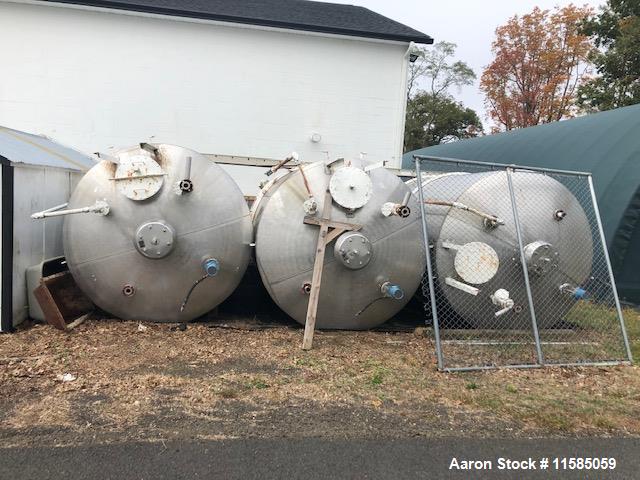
{"points": [[138, 177], [155, 239], [476, 262], [350, 187]]}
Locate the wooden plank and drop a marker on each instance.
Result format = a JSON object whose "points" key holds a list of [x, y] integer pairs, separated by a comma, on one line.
{"points": [[332, 223], [333, 234], [316, 279], [76, 322], [49, 308]]}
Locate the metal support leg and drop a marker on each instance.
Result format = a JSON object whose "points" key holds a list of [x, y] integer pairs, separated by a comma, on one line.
{"points": [[523, 261], [432, 292], [609, 269]]}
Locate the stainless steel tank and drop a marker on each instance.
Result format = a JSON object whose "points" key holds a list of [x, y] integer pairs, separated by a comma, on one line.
{"points": [[166, 237], [475, 248], [369, 274]]}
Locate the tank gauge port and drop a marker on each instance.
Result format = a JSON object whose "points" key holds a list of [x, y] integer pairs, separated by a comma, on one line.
{"points": [[517, 309], [128, 290], [186, 185], [559, 215], [306, 288]]}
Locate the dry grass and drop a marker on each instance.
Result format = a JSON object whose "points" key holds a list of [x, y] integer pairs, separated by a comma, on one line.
{"points": [[222, 382]]}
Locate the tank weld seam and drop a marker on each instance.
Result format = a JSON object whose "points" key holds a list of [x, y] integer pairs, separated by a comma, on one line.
{"points": [[404, 227], [123, 252], [213, 227], [330, 260]]}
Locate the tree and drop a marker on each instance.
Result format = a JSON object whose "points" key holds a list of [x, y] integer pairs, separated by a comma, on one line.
{"points": [[540, 59], [616, 35], [433, 119], [433, 65], [433, 116]]}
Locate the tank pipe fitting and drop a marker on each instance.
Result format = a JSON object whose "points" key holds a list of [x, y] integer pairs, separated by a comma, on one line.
{"points": [[293, 156], [387, 290], [128, 290], [186, 185], [400, 209], [310, 205], [577, 293], [100, 207], [501, 299], [211, 267], [494, 221], [306, 182], [390, 290], [559, 215]]}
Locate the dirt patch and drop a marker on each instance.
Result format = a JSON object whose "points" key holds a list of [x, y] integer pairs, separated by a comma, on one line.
{"points": [[156, 382]]}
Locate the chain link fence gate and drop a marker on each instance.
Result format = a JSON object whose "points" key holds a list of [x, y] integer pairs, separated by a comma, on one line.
{"points": [[518, 274]]}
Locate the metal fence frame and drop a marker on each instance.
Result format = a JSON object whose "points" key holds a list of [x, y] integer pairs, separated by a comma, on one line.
{"points": [[509, 169]]}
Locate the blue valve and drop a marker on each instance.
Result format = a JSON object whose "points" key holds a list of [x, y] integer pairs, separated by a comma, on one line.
{"points": [[579, 293], [211, 267], [392, 291]]}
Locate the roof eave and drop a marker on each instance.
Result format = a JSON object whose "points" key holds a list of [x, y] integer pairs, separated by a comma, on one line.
{"points": [[154, 10]]}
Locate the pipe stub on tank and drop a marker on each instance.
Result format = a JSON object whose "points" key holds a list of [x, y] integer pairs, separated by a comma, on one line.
{"points": [[155, 239]]}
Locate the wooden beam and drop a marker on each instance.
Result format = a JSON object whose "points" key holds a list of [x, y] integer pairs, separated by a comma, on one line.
{"points": [[309, 220], [316, 279], [333, 234]]}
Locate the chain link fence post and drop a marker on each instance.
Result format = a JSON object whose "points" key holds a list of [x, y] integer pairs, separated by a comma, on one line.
{"points": [[427, 252], [523, 262], [623, 328]]}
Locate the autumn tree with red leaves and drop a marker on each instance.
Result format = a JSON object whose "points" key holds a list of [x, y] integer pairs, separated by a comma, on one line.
{"points": [[540, 60]]}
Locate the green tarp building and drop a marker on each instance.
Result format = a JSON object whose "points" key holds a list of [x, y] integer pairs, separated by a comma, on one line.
{"points": [[607, 144]]}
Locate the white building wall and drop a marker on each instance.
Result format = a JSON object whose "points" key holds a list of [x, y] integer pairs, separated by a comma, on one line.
{"points": [[36, 188], [95, 79]]}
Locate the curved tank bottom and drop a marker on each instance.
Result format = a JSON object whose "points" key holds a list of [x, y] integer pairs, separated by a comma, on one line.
{"points": [[174, 218], [361, 269], [558, 252]]}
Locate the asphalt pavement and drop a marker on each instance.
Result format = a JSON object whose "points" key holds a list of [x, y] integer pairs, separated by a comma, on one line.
{"points": [[314, 458]]}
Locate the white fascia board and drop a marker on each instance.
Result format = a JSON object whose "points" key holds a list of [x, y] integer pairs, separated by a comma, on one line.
{"points": [[115, 11]]}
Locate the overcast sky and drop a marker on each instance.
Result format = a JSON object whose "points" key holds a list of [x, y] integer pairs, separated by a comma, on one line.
{"points": [[470, 24]]}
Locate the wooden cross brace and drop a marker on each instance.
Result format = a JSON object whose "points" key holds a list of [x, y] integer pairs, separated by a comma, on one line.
{"points": [[329, 231]]}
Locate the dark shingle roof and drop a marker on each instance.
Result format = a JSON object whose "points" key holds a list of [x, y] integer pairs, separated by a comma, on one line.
{"points": [[291, 14]]}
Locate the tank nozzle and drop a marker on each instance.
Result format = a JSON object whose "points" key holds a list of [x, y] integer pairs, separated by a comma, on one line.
{"points": [[390, 290], [211, 267]]}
